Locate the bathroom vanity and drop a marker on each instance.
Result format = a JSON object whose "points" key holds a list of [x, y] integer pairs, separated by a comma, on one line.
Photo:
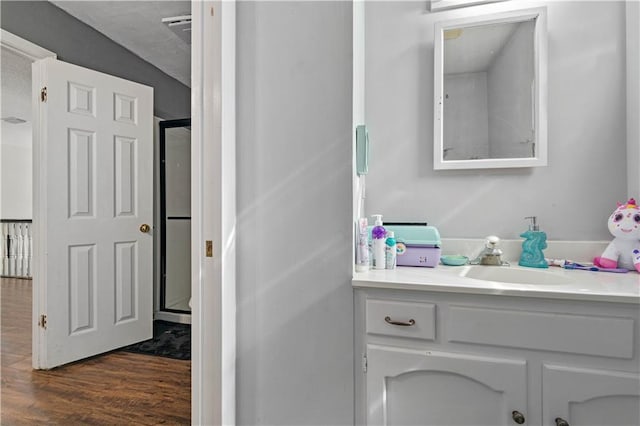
{"points": [[436, 347], [493, 345]]}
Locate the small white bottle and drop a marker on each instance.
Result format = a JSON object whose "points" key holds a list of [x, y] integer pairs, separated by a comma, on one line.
{"points": [[362, 253], [390, 251], [378, 235]]}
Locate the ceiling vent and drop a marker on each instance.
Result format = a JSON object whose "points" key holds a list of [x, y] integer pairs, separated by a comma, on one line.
{"points": [[180, 25]]}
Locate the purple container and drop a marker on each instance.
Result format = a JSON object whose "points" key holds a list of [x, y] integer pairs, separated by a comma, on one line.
{"points": [[419, 256], [418, 245]]}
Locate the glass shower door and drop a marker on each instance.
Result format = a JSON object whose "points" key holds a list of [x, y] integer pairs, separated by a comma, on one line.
{"points": [[175, 215]]}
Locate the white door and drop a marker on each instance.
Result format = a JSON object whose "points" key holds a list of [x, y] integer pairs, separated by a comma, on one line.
{"points": [[427, 388], [93, 159]]}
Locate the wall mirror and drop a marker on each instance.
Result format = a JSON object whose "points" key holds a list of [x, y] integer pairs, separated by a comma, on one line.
{"points": [[490, 91]]}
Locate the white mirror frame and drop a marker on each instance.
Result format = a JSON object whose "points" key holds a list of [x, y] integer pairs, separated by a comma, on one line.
{"points": [[540, 90]]}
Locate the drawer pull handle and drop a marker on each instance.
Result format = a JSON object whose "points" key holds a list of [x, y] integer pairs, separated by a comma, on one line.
{"points": [[561, 422], [409, 323], [517, 417]]}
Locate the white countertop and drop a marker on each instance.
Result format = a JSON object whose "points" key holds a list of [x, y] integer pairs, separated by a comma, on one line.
{"points": [[580, 285]]}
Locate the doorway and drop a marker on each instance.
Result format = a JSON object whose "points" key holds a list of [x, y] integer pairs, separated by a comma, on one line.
{"points": [[213, 210], [17, 347], [175, 220], [16, 211]]}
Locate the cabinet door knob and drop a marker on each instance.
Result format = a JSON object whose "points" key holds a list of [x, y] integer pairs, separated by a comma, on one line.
{"points": [[409, 323], [518, 417], [561, 422]]}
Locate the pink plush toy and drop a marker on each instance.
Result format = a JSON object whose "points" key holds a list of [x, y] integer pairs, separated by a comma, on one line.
{"points": [[624, 250]]}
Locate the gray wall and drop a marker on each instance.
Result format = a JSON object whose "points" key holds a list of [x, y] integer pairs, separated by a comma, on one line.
{"points": [[572, 197], [42, 23], [295, 338]]}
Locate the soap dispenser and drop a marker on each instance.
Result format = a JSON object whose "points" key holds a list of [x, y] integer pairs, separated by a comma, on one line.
{"points": [[535, 241]]}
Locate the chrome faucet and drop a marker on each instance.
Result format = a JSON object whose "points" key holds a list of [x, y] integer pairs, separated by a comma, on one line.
{"points": [[490, 254]]}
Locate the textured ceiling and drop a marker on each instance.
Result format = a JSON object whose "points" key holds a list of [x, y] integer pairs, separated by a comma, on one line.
{"points": [[473, 49], [137, 25]]}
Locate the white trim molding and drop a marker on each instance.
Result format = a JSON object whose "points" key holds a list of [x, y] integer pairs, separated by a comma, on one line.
{"points": [[24, 47], [213, 201]]}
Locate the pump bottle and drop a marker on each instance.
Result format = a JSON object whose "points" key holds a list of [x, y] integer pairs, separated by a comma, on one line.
{"points": [[535, 241], [378, 234]]}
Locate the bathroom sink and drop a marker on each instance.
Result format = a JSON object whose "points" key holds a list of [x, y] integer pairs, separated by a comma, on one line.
{"points": [[514, 275]]}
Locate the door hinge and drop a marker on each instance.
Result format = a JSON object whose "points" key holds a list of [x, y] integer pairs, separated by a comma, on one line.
{"points": [[209, 248], [43, 94], [42, 322], [364, 363]]}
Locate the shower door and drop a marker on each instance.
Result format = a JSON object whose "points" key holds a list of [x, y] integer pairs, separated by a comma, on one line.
{"points": [[175, 216]]}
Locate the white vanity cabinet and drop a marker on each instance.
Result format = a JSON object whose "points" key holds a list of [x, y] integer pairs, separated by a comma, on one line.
{"points": [[439, 358], [590, 397], [422, 387]]}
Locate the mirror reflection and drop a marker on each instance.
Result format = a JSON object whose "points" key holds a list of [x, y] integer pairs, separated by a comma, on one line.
{"points": [[488, 86], [488, 92]]}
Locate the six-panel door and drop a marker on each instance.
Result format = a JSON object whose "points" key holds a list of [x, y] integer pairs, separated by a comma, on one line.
{"points": [[94, 157]]}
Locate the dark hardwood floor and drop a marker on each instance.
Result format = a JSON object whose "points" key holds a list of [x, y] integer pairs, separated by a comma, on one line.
{"points": [[118, 388]]}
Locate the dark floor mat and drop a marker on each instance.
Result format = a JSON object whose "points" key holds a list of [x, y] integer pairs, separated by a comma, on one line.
{"points": [[171, 340]]}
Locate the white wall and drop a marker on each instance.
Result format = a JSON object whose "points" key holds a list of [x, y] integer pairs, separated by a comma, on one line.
{"points": [[572, 197], [15, 174], [178, 171], [15, 139], [294, 201], [633, 97]]}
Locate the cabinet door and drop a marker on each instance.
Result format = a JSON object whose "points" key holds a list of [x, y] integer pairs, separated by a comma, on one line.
{"points": [[583, 397], [427, 388]]}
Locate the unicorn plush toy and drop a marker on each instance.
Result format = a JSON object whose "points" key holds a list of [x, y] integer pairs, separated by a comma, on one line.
{"points": [[624, 250]]}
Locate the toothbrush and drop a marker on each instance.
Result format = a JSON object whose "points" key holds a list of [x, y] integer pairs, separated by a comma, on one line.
{"points": [[572, 265]]}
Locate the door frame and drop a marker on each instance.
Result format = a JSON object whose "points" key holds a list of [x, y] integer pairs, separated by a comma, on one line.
{"points": [[24, 47], [33, 52], [213, 96], [213, 212]]}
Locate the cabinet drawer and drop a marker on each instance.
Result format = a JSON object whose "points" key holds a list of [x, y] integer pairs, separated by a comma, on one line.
{"points": [[401, 319], [578, 334]]}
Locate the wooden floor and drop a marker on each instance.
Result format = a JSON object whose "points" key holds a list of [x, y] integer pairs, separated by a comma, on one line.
{"points": [[118, 388]]}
